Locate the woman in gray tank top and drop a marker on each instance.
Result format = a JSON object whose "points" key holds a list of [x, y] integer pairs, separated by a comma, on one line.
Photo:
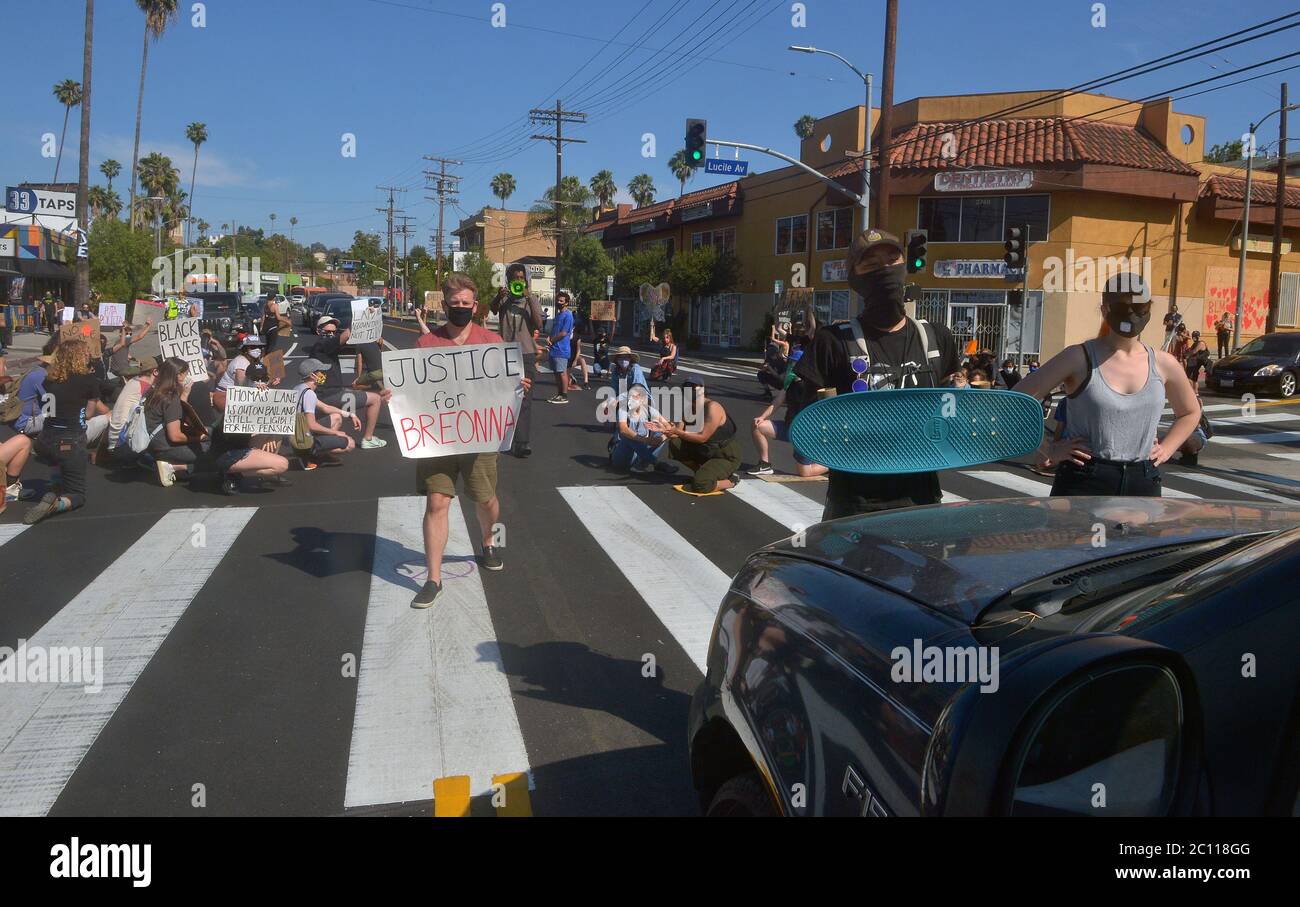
{"points": [[1117, 387]]}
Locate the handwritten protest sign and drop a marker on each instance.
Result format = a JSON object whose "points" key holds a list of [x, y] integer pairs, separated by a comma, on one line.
{"points": [[433, 300], [602, 310], [367, 322], [112, 314], [181, 338], [67, 313], [86, 329], [250, 411], [450, 400]]}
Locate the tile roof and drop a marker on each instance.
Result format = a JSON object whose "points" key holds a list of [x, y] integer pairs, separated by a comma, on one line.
{"points": [[1031, 141], [689, 200], [1262, 191]]}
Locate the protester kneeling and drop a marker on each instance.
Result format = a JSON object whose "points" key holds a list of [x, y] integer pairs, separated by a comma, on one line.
{"points": [[637, 447], [713, 452], [175, 441], [323, 420]]}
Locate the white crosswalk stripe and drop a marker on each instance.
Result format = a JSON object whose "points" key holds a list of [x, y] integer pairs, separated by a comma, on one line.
{"points": [[1233, 485], [128, 610], [782, 503], [1017, 483], [1264, 437], [11, 531], [432, 695], [676, 581]]}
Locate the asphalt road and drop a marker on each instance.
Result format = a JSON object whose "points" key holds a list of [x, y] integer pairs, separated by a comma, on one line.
{"points": [[229, 625]]}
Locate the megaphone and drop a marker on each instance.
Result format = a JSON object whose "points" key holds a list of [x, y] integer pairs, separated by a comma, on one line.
{"points": [[518, 288]]}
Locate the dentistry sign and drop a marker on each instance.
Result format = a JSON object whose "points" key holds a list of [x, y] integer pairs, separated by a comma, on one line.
{"points": [[450, 400], [983, 180]]}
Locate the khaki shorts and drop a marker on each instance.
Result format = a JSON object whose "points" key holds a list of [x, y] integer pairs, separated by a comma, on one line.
{"points": [[437, 475]]}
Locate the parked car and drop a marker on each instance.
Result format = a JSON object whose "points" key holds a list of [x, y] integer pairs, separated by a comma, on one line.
{"points": [[225, 315], [1153, 673], [1268, 364], [316, 305]]}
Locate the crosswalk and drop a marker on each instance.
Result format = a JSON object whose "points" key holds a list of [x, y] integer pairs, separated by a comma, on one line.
{"points": [[433, 695], [1243, 432]]}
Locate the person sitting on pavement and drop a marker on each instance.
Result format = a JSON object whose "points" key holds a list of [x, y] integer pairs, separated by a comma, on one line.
{"points": [[236, 373], [765, 428], [31, 391], [664, 367], [600, 353], [775, 365], [66, 431], [175, 453], [637, 447], [623, 376], [324, 421], [1008, 376], [369, 368], [138, 380], [236, 456], [711, 450], [119, 355], [337, 390], [14, 452]]}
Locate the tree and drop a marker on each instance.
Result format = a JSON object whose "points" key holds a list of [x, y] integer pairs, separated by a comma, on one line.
{"points": [[479, 269], [366, 250], [158, 178], [81, 274], [681, 169], [103, 203], [602, 186], [503, 186], [1226, 153], [574, 199], [586, 265], [158, 14], [203, 226], [197, 133], [69, 94], [704, 271], [647, 266], [642, 189], [804, 126], [110, 168], [121, 262]]}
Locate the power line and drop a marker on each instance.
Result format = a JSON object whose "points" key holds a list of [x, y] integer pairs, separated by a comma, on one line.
{"points": [[444, 186], [557, 118]]}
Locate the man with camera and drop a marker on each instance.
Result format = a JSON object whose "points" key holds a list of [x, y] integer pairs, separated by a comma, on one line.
{"points": [[520, 318]]}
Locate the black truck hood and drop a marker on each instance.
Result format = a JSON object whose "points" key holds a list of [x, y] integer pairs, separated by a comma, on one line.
{"points": [[960, 558]]}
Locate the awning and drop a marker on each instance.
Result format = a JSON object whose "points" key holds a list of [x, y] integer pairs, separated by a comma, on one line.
{"points": [[53, 270], [9, 267]]}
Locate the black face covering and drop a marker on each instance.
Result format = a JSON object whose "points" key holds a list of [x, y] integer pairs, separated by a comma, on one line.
{"points": [[459, 315], [883, 292], [1126, 320]]}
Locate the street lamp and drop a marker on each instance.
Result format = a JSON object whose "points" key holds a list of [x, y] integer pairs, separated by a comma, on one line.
{"points": [[1245, 218], [866, 141]]}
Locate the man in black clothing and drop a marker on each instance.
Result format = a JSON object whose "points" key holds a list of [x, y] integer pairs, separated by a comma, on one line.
{"points": [[880, 350], [338, 390]]}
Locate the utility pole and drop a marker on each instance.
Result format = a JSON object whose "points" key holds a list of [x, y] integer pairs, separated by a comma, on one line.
{"points": [[405, 230], [388, 278], [444, 186], [886, 114], [1279, 209], [559, 116]]}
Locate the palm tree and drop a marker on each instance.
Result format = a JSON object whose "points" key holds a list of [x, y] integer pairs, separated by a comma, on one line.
{"points": [[158, 14], [642, 189], [198, 134], [158, 178], [681, 169], [103, 202], [804, 126], [272, 221], [202, 226], [110, 168], [602, 186], [574, 200], [69, 94], [503, 186]]}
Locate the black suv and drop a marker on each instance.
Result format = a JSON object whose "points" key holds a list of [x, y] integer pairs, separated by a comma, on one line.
{"points": [[317, 305], [225, 316]]}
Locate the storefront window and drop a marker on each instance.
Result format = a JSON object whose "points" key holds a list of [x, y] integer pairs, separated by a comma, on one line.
{"points": [[941, 217], [792, 234], [1028, 209], [981, 219], [834, 229], [831, 306]]}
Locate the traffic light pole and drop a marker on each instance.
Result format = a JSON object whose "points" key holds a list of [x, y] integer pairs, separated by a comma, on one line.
{"points": [[800, 164]]}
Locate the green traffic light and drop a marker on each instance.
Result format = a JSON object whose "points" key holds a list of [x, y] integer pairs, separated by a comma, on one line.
{"points": [[695, 155], [918, 263]]}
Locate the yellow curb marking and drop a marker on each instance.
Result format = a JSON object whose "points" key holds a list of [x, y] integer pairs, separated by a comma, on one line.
{"points": [[517, 802], [451, 796]]}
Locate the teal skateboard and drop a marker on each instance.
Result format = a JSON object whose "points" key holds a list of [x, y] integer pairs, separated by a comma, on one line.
{"points": [[917, 429]]}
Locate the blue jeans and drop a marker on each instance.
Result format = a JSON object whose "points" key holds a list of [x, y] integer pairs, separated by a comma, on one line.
{"points": [[627, 453]]}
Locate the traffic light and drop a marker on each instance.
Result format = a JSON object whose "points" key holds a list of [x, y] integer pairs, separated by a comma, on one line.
{"points": [[1017, 246], [1015, 298], [697, 133], [917, 251]]}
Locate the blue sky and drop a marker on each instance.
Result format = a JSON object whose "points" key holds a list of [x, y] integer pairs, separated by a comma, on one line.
{"points": [[278, 82]]}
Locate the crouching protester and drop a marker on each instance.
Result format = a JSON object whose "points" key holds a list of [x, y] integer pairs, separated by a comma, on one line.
{"points": [[236, 456], [712, 453], [637, 446], [325, 422]]}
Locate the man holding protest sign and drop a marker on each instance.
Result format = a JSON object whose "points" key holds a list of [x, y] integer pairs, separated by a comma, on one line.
{"points": [[454, 410]]}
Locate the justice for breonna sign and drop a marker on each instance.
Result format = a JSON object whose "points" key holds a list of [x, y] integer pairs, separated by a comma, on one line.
{"points": [[450, 400]]}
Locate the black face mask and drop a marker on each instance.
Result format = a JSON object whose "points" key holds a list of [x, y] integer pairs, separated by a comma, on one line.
{"points": [[459, 315], [883, 293], [1125, 320]]}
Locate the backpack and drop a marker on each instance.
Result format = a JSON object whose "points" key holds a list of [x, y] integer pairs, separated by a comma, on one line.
{"points": [[302, 440], [12, 408], [135, 434]]}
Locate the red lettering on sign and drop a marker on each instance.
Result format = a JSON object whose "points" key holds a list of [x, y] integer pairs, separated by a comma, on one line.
{"points": [[443, 427]]}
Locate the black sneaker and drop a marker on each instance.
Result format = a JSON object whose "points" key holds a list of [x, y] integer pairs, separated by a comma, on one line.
{"points": [[41, 509], [277, 482], [523, 450], [491, 559], [735, 479], [667, 469], [427, 595], [229, 485], [1189, 459], [764, 468], [558, 398]]}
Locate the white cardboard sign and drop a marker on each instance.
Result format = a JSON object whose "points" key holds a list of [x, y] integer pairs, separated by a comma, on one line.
{"points": [[250, 411], [181, 338], [450, 400], [112, 314], [367, 323]]}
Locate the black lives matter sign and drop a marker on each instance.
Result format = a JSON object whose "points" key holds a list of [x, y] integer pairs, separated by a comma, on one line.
{"points": [[181, 338]]}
